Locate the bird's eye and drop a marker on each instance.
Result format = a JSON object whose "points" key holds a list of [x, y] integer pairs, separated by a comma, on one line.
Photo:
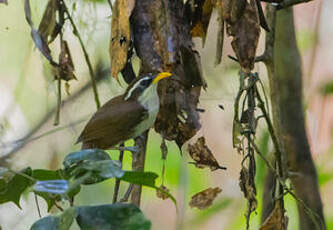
{"points": [[146, 82]]}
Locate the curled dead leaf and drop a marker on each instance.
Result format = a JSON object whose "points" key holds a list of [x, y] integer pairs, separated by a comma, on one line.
{"points": [[201, 11], [244, 26], [205, 198], [48, 23], [120, 35], [162, 195], [66, 66], [203, 156], [247, 186], [276, 219]]}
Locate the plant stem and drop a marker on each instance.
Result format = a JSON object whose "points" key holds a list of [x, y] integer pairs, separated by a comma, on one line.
{"points": [[86, 56]]}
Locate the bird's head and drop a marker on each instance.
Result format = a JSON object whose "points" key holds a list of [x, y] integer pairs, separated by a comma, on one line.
{"points": [[144, 84]]}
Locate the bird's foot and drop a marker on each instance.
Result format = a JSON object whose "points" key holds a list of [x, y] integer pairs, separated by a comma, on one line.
{"points": [[132, 149]]}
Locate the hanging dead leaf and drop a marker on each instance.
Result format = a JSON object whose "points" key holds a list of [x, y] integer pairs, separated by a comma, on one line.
{"points": [[162, 41], [243, 24], [201, 14], [220, 32], [37, 37], [205, 198], [48, 22], [162, 195], [246, 183], [66, 66], [203, 156], [276, 219], [120, 35]]}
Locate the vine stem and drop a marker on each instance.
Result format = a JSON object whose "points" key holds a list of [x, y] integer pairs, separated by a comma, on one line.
{"points": [[86, 56]]}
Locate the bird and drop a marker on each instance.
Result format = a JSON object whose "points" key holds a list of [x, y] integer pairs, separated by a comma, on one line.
{"points": [[125, 116]]}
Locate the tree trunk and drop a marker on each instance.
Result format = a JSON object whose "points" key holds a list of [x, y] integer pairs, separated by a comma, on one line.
{"points": [[285, 76]]}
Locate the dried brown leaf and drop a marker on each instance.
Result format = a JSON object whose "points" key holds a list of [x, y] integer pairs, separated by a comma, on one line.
{"points": [[246, 183], [66, 66], [37, 37], [205, 198], [276, 219], [120, 35], [201, 16], [202, 155], [162, 195], [48, 22], [243, 25]]}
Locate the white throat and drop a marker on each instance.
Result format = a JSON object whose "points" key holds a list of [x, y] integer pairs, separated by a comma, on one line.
{"points": [[150, 101]]}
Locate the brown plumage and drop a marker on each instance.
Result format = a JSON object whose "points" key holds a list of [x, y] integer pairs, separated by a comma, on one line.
{"points": [[125, 116], [100, 130]]}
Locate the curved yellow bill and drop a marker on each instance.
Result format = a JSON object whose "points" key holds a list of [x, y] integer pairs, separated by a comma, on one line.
{"points": [[160, 76]]}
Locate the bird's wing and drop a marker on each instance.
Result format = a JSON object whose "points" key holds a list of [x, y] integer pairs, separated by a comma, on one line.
{"points": [[116, 117]]}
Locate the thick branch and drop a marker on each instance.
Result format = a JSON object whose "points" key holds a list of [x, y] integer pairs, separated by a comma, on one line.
{"points": [[138, 164], [285, 76], [288, 3]]}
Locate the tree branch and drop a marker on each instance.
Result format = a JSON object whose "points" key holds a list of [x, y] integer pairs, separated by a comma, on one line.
{"points": [[138, 164], [285, 77], [288, 3]]}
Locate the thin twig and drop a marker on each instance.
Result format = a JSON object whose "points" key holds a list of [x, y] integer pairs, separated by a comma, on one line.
{"points": [[117, 183], [110, 4], [312, 214], [38, 209], [138, 164], [102, 73], [86, 56], [57, 116]]}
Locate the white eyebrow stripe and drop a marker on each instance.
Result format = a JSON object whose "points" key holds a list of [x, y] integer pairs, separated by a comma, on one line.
{"points": [[128, 95]]}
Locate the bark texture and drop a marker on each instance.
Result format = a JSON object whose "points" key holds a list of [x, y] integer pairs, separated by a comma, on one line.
{"points": [[285, 77]]}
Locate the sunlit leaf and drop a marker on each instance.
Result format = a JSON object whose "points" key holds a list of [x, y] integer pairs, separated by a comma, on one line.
{"points": [[141, 178], [117, 216]]}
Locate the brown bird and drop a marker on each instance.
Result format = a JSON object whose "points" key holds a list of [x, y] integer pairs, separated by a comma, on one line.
{"points": [[125, 116]]}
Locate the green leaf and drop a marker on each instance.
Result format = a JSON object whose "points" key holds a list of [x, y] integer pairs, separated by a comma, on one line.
{"points": [[146, 179], [86, 154], [141, 178], [98, 171], [12, 190], [61, 222], [42, 174], [112, 217]]}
